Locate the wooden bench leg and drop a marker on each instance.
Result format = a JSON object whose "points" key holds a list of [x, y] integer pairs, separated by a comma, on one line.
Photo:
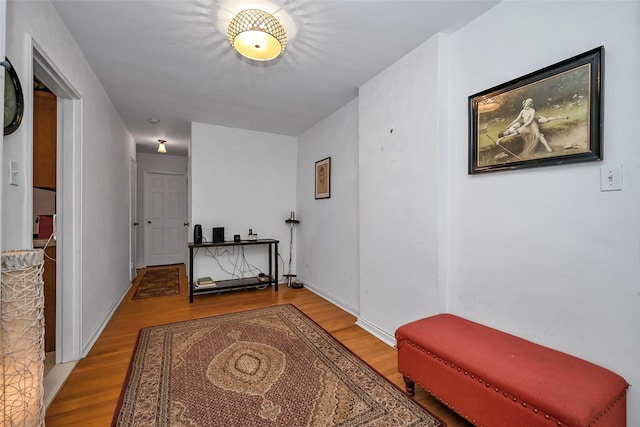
{"points": [[410, 385]]}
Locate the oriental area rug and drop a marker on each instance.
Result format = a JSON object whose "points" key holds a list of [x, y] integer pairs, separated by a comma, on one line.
{"points": [[159, 282], [267, 367]]}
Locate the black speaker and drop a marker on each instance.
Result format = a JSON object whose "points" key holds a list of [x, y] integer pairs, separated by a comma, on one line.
{"points": [[218, 235], [197, 233]]}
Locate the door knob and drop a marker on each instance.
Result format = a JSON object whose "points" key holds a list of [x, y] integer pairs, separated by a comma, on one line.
{"points": [[186, 224], [148, 221], [136, 223]]}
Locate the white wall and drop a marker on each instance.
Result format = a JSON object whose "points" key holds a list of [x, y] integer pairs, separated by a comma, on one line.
{"points": [[327, 236], [241, 179], [3, 20], [106, 151], [542, 253], [399, 164], [147, 162]]}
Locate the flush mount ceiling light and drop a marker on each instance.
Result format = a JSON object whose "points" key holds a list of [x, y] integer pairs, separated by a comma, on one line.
{"points": [[161, 147], [257, 35]]}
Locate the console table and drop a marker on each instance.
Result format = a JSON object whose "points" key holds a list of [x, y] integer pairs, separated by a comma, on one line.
{"points": [[246, 282]]}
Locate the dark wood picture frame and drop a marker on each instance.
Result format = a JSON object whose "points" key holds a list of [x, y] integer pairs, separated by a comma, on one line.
{"points": [[549, 117], [323, 179]]}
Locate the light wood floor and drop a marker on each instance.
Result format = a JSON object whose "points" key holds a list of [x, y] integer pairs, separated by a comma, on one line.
{"points": [[90, 395]]}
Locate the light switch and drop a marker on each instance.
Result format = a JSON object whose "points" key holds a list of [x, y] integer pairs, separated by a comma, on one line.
{"points": [[13, 172], [611, 178]]}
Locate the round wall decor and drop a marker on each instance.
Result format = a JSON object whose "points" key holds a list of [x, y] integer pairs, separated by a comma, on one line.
{"points": [[13, 100]]}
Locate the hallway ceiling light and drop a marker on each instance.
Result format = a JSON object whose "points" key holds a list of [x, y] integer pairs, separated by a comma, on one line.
{"points": [[162, 148], [257, 35]]}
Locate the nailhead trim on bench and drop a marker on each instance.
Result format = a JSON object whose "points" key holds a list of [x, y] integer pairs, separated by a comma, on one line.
{"points": [[472, 376], [611, 405]]}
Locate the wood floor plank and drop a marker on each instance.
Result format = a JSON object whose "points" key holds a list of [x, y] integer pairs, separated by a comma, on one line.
{"points": [[90, 395]]}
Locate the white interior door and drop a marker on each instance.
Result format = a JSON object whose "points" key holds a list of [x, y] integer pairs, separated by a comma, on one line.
{"points": [[165, 218]]}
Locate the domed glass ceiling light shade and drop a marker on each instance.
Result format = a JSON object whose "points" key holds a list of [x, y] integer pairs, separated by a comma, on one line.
{"points": [[162, 148], [257, 35]]}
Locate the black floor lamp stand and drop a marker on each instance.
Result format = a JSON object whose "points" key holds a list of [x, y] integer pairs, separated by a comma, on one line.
{"points": [[291, 281]]}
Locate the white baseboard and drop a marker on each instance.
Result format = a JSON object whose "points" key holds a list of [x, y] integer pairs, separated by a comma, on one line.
{"points": [[381, 334], [332, 299], [87, 347]]}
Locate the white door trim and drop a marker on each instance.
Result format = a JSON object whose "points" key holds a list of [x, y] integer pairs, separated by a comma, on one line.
{"points": [[133, 218], [69, 206]]}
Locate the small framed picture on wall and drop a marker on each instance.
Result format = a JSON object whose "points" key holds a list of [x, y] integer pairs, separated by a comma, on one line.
{"points": [[323, 178]]}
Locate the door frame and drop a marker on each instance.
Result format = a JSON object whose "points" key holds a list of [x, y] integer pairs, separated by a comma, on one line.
{"points": [[144, 213], [68, 202], [133, 217]]}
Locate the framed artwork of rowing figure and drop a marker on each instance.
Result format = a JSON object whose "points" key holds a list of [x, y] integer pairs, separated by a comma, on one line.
{"points": [[549, 117]]}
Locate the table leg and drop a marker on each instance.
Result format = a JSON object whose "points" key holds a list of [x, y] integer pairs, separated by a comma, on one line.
{"points": [[190, 275], [275, 258]]}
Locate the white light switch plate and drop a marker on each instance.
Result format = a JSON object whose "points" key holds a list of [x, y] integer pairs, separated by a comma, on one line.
{"points": [[13, 172], [611, 178]]}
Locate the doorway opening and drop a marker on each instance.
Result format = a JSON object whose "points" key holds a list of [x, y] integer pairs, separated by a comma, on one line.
{"points": [[45, 121], [68, 185]]}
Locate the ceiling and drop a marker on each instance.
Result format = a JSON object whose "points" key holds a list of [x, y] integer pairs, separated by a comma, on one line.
{"points": [[170, 59]]}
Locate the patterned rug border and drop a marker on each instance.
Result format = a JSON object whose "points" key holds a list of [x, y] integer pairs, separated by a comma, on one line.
{"points": [[125, 384], [289, 305], [153, 268]]}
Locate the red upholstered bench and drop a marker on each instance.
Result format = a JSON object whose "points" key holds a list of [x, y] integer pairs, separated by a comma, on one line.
{"points": [[492, 378]]}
